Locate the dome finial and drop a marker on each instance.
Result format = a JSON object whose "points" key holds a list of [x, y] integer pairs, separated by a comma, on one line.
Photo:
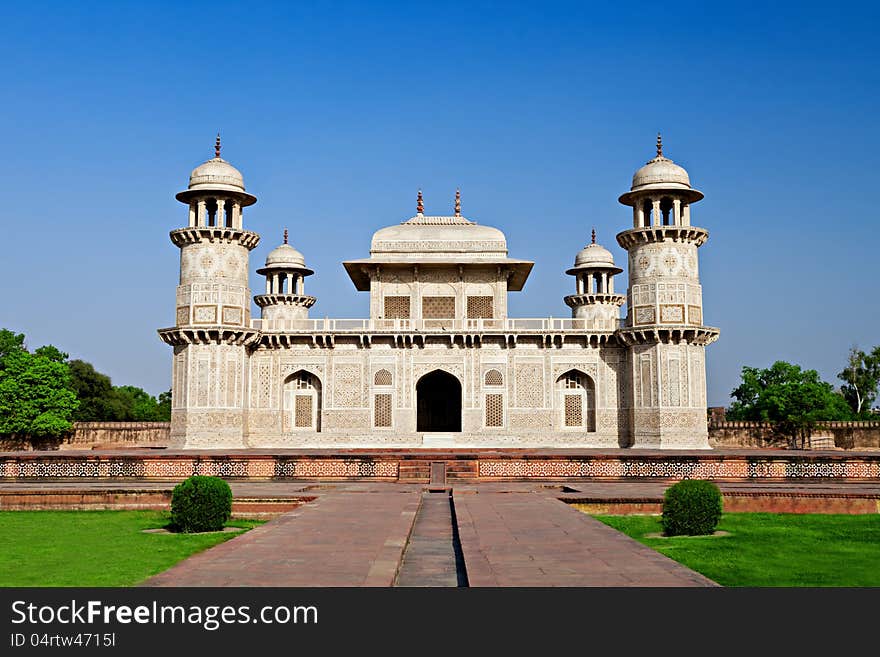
{"points": [[285, 236], [593, 241], [659, 145], [217, 145], [457, 202], [420, 206]]}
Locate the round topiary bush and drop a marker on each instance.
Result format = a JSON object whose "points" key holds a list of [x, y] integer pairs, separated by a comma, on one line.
{"points": [[200, 504], [691, 508]]}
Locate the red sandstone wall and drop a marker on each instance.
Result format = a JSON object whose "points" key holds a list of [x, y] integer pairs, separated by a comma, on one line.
{"points": [[846, 435], [99, 435]]}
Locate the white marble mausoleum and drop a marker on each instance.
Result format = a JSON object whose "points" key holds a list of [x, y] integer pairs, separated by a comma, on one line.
{"points": [[439, 363]]}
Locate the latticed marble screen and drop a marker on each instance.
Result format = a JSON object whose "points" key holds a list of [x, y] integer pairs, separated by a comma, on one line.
{"points": [[438, 307], [382, 410], [480, 308], [303, 411], [382, 378], [494, 410], [396, 307], [494, 378], [574, 415]]}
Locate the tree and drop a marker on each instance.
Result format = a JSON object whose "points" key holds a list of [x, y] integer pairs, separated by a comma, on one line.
{"points": [[101, 401], [10, 343], [165, 406], [36, 396], [861, 377], [95, 393], [139, 405], [791, 399]]}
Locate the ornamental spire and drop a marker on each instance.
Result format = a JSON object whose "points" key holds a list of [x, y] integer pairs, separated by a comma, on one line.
{"points": [[594, 237], [285, 236], [457, 202], [217, 146], [420, 206], [659, 145]]}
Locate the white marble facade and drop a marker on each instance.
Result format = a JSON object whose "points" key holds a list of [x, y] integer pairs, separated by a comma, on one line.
{"points": [[439, 363]]}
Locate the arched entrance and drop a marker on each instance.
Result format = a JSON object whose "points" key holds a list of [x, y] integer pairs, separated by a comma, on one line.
{"points": [[438, 405], [576, 395], [302, 402]]}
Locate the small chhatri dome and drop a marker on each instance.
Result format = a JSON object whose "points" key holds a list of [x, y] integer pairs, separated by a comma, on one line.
{"points": [[216, 174], [661, 173], [285, 256], [594, 256]]}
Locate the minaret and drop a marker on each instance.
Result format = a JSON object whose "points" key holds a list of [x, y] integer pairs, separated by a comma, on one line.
{"points": [[213, 310], [285, 299], [595, 301], [664, 325]]}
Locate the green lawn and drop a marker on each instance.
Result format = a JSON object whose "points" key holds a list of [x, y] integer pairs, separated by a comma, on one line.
{"points": [[93, 548], [773, 549]]}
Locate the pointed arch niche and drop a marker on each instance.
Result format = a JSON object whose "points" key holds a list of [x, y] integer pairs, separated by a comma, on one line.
{"points": [[576, 401], [302, 402]]}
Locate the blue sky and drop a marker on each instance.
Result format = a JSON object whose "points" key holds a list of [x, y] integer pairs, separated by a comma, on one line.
{"points": [[540, 112]]}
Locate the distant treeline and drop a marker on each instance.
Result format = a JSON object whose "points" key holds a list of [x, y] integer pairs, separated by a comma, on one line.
{"points": [[42, 393]]}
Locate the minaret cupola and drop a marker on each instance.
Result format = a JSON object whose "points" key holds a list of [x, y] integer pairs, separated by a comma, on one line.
{"points": [[595, 301], [661, 193], [216, 194], [285, 272]]}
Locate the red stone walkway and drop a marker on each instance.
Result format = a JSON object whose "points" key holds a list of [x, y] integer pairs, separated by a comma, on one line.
{"points": [[518, 535], [532, 539], [341, 539]]}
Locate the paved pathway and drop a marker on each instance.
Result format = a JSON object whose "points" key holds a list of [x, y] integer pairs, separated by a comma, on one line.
{"points": [[342, 539], [531, 539], [356, 536]]}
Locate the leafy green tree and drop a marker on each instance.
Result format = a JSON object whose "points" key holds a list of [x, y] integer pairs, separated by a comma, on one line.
{"points": [[165, 406], [101, 401], [97, 403], [139, 405], [36, 397], [793, 400], [861, 377], [10, 343]]}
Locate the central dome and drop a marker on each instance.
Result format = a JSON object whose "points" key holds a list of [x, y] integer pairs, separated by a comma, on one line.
{"points": [[439, 237], [438, 242]]}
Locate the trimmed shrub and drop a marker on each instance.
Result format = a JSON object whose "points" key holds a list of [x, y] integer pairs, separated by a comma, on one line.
{"points": [[691, 507], [200, 504]]}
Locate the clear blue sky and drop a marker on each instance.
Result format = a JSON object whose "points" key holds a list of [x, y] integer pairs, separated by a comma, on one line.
{"points": [[337, 112]]}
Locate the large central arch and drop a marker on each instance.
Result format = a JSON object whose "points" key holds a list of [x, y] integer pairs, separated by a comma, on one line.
{"points": [[438, 404]]}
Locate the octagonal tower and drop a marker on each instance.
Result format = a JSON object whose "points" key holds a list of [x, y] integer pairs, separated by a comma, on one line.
{"points": [[664, 325], [212, 326]]}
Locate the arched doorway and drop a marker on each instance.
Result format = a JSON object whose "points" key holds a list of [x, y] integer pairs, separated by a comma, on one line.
{"points": [[576, 394], [302, 402], [438, 403]]}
